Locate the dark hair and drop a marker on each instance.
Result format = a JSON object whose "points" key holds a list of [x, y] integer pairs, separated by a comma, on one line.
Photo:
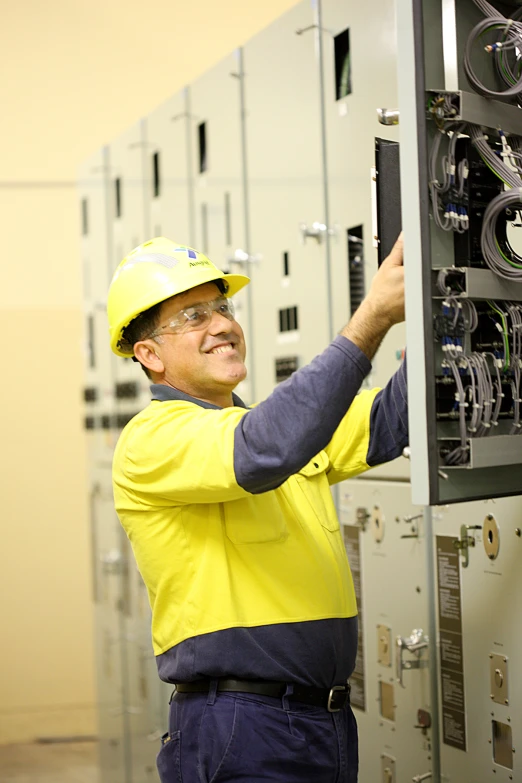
{"points": [[139, 329], [145, 323]]}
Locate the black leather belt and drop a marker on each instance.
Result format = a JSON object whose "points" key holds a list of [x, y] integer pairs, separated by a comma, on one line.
{"points": [[334, 699]]}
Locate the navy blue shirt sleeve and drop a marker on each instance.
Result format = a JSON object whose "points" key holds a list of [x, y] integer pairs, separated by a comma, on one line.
{"points": [[282, 434], [389, 420]]}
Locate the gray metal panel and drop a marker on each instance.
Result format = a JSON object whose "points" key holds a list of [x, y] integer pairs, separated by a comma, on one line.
{"points": [[413, 207], [483, 284], [492, 452], [107, 559], [285, 171], [490, 625], [130, 155], [219, 190], [169, 213], [428, 248], [477, 110], [351, 129], [394, 534]]}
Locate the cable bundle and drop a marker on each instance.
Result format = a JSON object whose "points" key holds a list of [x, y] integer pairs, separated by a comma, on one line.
{"points": [[503, 261], [447, 195], [505, 49]]}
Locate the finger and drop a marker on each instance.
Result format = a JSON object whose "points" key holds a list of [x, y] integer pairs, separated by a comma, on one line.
{"points": [[396, 256]]}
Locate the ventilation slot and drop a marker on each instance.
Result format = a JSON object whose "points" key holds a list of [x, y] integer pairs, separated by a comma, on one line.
{"points": [[343, 68], [202, 139], [204, 228], [288, 319], [90, 341], [355, 267], [156, 179], [284, 367], [117, 195], [228, 220], [85, 217], [286, 263]]}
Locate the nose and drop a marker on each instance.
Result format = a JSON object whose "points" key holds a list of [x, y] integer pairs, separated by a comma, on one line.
{"points": [[219, 324]]}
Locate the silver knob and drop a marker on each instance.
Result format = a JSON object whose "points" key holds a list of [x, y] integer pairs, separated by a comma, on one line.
{"points": [[112, 561], [317, 231], [388, 116], [242, 257]]}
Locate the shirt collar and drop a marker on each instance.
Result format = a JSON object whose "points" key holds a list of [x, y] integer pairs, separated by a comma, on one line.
{"points": [[162, 393]]}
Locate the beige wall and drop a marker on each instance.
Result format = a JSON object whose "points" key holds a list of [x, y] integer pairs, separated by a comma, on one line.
{"points": [[74, 75]]}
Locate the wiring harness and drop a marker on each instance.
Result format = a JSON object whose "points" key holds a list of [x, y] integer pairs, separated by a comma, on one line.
{"points": [[448, 191], [479, 376], [504, 43]]}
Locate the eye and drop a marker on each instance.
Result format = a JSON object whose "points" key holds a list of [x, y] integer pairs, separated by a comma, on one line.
{"points": [[195, 315]]}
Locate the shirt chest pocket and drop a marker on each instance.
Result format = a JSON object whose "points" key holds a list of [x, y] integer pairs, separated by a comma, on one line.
{"points": [[258, 519], [313, 483]]}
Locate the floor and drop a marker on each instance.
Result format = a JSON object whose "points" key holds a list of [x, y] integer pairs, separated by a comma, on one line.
{"points": [[53, 763]]}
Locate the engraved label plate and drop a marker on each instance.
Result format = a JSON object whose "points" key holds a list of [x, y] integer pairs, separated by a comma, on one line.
{"points": [[387, 700]]}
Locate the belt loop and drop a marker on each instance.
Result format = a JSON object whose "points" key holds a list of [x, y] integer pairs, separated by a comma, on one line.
{"points": [[288, 692], [212, 692]]}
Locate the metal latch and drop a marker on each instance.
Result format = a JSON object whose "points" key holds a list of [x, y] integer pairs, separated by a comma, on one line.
{"points": [[464, 543], [362, 516], [420, 778], [414, 529], [242, 257], [317, 231], [415, 643], [388, 116]]}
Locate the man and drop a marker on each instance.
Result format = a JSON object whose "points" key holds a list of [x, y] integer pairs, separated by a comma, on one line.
{"points": [[231, 520]]}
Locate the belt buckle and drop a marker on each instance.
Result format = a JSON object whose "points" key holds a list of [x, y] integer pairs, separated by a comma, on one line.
{"points": [[338, 689]]}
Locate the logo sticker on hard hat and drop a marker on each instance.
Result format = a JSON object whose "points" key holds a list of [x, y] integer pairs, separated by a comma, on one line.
{"points": [[191, 253]]}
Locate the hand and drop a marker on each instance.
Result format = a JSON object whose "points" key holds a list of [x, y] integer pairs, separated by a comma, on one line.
{"points": [[382, 307], [387, 289]]}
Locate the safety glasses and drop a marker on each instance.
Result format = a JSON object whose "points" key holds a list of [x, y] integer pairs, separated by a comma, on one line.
{"points": [[198, 316]]}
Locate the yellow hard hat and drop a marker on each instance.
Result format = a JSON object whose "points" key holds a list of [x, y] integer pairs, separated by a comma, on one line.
{"points": [[153, 272]]}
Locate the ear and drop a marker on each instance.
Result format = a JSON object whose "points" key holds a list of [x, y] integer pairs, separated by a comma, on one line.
{"points": [[145, 352]]}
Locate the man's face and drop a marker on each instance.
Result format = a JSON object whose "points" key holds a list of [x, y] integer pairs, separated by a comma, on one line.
{"points": [[202, 362]]}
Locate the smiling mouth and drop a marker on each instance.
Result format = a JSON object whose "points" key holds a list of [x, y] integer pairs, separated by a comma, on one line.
{"points": [[229, 348]]}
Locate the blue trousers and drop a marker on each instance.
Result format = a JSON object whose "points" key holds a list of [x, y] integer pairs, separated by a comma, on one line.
{"points": [[245, 738]]}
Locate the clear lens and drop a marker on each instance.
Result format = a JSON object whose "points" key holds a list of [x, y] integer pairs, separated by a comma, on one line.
{"points": [[199, 316]]}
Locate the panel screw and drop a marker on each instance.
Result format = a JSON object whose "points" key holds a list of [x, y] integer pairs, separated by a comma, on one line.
{"points": [[490, 655], [518, 532], [489, 741], [492, 697], [418, 589], [506, 701]]}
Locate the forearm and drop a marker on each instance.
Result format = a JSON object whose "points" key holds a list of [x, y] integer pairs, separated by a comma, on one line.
{"points": [[367, 328]]}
